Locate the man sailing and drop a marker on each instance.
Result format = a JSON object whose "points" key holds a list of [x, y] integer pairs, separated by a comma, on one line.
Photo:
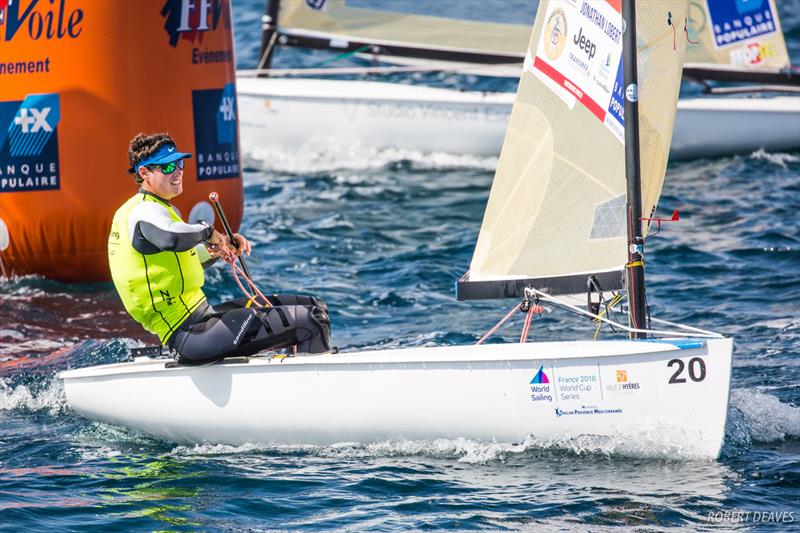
{"points": [[155, 260]]}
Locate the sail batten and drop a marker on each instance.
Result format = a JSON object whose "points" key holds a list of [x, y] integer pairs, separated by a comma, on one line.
{"points": [[556, 213]]}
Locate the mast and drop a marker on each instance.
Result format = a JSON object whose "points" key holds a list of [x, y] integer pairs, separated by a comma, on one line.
{"points": [[637, 312], [269, 26]]}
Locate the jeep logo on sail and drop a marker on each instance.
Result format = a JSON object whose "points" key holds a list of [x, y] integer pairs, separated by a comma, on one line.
{"points": [[188, 19], [585, 44], [43, 19]]}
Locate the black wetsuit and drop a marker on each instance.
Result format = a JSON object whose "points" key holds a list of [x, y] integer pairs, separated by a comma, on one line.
{"points": [[231, 328]]}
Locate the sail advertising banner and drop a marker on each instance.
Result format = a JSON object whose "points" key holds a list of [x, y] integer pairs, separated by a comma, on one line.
{"points": [[741, 33], [586, 61]]}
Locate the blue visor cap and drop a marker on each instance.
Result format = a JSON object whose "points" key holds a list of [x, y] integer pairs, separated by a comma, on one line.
{"points": [[166, 154]]}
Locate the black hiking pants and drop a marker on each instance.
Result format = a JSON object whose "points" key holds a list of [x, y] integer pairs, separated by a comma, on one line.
{"points": [[232, 328]]}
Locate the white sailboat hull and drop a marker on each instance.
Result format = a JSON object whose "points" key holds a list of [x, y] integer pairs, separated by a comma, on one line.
{"points": [[287, 113], [614, 389]]}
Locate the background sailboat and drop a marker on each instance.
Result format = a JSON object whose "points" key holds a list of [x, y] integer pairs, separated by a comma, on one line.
{"points": [[672, 393], [287, 112]]}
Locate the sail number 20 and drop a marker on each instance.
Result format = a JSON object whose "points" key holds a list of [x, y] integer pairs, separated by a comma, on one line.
{"points": [[696, 370]]}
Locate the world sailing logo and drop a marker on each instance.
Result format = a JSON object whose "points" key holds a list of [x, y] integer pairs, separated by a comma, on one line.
{"points": [[540, 387], [29, 143], [540, 377]]}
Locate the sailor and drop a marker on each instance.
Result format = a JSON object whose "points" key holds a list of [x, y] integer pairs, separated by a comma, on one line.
{"points": [[157, 263]]}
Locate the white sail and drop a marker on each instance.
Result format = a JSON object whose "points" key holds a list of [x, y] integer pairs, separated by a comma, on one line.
{"points": [[557, 208], [740, 33]]}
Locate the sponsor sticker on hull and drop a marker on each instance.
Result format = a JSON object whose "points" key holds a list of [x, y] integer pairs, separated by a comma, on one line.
{"points": [[577, 390], [623, 383], [29, 143]]}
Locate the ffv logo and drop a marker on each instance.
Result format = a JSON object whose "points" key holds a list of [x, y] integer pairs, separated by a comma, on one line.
{"points": [[45, 19], [189, 19]]}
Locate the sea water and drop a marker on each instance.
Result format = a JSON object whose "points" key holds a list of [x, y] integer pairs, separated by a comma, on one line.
{"points": [[382, 235]]}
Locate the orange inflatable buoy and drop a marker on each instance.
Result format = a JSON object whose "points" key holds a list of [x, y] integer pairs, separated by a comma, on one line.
{"points": [[78, 79]]}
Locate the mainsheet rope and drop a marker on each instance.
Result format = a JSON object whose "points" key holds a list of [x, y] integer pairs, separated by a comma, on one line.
{"points": [[252, 297]]}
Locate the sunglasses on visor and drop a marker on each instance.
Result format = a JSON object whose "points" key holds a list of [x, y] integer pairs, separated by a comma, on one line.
{"points": [[168, 168]]}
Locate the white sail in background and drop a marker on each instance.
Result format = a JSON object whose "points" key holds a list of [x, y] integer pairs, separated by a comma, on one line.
{"points": [[740, 33], [342, 23], [557, 208]]}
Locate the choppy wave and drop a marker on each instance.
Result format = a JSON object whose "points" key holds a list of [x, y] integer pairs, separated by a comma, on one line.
{"points": [[329, 156], [778, 159], [47, 395]]}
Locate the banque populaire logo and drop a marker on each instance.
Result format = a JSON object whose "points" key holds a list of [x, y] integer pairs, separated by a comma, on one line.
{"points": [[215, 132], [29, 143]]}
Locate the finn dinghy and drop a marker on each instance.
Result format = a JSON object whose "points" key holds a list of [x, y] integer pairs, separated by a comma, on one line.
{"points": [[730, 41], [569, 208]]}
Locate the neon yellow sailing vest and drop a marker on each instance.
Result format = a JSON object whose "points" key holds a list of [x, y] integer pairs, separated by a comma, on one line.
{"points": [[159, 290]]}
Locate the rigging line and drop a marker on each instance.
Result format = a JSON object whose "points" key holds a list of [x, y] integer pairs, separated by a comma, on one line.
{"points": [[256, 292], [683, 326], [686, 31], [280, 72], [532, 308], [556, 301], [497, 326], [343, 55], [267, 51], [609, 306], [249, 296]]}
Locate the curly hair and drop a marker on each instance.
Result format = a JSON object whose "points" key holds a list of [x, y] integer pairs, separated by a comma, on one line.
{"points": [[143, 146]]}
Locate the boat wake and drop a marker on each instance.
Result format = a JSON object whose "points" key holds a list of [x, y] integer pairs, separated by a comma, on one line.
{"points": [[648, 444], [326, 155], [754, 416], [47, 395]]}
